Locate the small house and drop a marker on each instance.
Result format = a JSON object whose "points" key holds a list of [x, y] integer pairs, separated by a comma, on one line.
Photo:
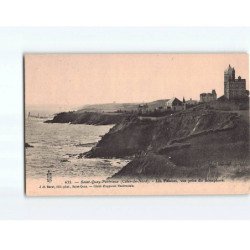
{"points": [[174, 104]]}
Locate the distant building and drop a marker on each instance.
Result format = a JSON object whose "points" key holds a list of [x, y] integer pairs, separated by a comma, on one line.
{"points": [[233, 88], [143, 108], [191, 102], [159, 109], [174, 104], [208, 97]]}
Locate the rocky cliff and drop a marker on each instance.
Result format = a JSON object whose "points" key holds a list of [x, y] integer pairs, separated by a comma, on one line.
{"points": [[181, 144], [133, 135], [91, 118]]}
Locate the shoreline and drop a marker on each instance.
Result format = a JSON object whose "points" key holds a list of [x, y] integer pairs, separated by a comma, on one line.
{"points": [[134, 138], [163, 147]]}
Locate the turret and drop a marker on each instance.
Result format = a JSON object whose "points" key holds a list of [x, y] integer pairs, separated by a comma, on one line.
{"points": [[229, 74], [214, 94], [233, 88]]}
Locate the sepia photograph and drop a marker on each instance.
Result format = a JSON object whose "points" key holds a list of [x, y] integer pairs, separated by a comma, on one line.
{"points": [[136, 124], [124, 123]]}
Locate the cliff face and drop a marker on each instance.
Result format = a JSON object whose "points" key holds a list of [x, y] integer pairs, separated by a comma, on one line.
{"points": [[192, 143], [124, 139], [186, 144], [133, 135], [91, 118]]}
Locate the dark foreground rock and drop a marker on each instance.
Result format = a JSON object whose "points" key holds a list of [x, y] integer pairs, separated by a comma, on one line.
{"points": [[141, 166], [161, 167]]}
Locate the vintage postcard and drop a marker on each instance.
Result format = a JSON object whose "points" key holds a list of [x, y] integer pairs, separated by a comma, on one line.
{"points": [[136, 124]]}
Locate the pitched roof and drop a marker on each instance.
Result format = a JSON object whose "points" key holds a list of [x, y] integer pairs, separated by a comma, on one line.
{"points": [[173, 100]]}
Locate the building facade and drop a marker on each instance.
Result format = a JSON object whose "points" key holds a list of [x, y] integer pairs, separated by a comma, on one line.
{"points": [[233, 88], [143, 108], [208, 97], [191, 102], [174, 104]]}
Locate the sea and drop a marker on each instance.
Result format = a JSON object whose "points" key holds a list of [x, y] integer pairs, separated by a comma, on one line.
{"points": [[56, 148]]}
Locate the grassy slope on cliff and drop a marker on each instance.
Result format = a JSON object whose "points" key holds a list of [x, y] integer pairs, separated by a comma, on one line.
{"points": [[223, 154], [111, 107], [133, 135], [197, 143]]}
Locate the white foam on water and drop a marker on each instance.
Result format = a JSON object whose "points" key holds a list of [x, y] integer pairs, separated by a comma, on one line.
{"points": [[56, 148]]}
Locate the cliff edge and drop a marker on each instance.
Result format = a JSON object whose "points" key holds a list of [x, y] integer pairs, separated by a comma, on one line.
{"points": [[90, 118], [189, 143]]}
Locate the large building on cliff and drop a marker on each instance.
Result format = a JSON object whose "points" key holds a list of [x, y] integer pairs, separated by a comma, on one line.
{"points": [[233, 88], [208, 97]]}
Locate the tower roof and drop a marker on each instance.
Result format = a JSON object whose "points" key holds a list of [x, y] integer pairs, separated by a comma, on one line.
{"points": [[173, 100], [229, 69]]}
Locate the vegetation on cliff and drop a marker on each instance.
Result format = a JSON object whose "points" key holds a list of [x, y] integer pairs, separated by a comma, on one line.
{"points": [[102, 114], [199, 142], [189, 143], [133, 134]]}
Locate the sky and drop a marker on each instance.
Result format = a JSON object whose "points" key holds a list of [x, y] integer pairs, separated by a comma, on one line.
{"points": [[79, 79]]}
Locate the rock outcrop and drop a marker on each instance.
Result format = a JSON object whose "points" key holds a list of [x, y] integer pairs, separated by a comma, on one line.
{"points": [[187, 143], [91, 118], [133, 135]]}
